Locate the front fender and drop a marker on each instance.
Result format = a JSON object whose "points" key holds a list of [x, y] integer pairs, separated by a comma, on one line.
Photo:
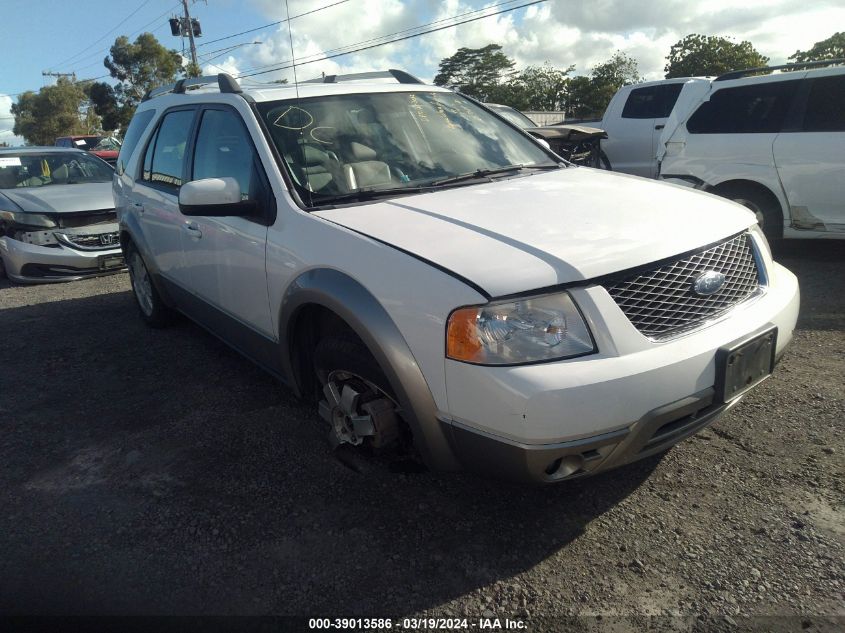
{"points": [[362, 312]]}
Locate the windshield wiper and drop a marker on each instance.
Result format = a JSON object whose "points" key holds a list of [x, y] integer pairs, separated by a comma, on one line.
{"points": [[362, 195], [485, 173]]}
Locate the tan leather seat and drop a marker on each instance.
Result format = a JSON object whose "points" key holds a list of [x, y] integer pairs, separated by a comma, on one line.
{"points": [[365, 171]]}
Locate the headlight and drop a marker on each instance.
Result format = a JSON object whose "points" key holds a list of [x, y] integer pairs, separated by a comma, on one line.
{"points": [[28, 219], [528, 330]]}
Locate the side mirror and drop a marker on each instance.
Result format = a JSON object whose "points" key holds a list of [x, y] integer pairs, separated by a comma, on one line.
{"points": [[214, 197], [543, 142]]}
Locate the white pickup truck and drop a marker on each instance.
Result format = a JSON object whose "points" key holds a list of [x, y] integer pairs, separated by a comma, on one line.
{"points": [[635, 120]]}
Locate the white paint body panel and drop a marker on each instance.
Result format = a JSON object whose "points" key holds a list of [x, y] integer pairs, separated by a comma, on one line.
{"points": [[547, 229]]}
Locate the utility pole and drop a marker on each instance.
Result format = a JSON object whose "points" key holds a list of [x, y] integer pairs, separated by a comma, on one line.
{"points": [[190, 34]]}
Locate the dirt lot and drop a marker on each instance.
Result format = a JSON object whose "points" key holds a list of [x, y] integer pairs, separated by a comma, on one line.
{"points": [[157, 472]]}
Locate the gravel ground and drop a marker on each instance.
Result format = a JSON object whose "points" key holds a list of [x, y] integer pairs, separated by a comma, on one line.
{"points": [[157, 472]]}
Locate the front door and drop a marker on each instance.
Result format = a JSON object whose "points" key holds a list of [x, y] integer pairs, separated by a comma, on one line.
{"points": [[225, 256]]}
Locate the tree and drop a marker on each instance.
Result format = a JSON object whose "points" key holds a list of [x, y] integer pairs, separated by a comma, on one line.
{"points": [[831, 48], [105, 102], [589, 96], [697, 55], [141, 66], [538, 88], [476, 72], [51, 112]]}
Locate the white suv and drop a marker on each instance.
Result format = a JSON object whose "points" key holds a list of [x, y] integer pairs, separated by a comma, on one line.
{"points": [[437, 281], [773, 143]]}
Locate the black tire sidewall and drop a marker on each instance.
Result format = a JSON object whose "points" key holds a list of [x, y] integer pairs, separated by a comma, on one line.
{"points": [[160, 314]]}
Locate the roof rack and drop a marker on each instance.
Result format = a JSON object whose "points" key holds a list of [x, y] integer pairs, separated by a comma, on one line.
{"points": [[399, 75], [224, 81], [736, 74]]}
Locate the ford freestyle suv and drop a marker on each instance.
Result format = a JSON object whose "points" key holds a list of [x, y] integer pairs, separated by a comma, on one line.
{"points": [[437, 281]]}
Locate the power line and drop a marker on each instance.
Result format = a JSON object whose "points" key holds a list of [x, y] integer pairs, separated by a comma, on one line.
{"points": [[389, 35], [136, 32], [105, 35], [393, 41], [259, 28]]}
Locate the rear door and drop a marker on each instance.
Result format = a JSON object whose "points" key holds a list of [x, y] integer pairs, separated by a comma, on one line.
{"points": [[154, 198], [810, 155], [225, 256], [631, 146]]}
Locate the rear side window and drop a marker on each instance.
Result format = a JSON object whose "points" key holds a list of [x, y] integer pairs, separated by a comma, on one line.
{"points": [[750, 109], [165, 158], [826, 105], [133, 134], [653, 102]]}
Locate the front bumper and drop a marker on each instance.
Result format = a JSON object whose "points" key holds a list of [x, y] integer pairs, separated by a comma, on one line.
{"points": [[635, 398], [30, 263]]}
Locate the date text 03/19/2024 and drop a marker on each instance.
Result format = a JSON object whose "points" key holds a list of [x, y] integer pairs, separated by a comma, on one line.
{"points": [[416, 624]]}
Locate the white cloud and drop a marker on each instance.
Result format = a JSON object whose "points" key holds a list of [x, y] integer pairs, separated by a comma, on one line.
{"points": [[579, 32], [7, 121]]}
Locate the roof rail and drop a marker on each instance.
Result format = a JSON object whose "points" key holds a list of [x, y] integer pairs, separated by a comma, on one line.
{"points": [[224, 81], [736, 74], [399, 75]]}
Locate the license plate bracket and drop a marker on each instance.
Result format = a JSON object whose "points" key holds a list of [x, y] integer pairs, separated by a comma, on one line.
{"points": [[745, 363]]}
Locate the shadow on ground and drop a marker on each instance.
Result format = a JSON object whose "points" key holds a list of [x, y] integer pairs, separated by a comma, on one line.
{"points": [[159, 472]]}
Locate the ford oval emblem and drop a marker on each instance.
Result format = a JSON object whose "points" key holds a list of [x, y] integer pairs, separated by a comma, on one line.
{"points": [[708, 283]]}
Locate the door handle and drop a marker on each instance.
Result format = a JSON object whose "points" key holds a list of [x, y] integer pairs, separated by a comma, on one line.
{"points": [[659, 127], [193, 230]]}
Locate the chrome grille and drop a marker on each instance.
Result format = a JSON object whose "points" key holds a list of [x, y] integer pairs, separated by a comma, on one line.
{"points": [[661, 302], [91, 241]]}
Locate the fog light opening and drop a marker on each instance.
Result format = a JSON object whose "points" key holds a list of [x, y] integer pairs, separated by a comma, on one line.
{"points": [[565, 466]]}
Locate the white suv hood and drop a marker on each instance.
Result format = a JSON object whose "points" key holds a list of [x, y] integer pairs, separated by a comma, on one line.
{"points": [[547, 229]]}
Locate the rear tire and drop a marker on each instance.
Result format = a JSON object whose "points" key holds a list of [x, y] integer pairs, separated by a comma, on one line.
{"points": [[153, 310], [762, 204]]}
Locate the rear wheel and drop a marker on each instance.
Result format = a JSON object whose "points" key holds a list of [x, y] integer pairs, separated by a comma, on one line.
{"points": [[356, 399], [153, 310]]}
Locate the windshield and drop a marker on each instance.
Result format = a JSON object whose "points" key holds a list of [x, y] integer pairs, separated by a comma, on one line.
{"points": [[54, 168], [393, 141], [107, 143], [514, 116]]}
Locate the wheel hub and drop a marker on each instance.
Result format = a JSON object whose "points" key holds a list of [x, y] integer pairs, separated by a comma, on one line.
{"points": [[356, 409]]}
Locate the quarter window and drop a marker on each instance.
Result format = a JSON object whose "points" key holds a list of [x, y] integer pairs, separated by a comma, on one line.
{"points": [[165, 157], [826, 105], [653, 102], [133, 135], [757, 108]]}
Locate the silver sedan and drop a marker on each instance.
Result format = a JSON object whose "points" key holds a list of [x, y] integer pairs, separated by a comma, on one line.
{"points": [[57, 217]]}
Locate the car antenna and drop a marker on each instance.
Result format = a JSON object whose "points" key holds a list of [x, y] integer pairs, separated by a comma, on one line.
{"points": [[300, 147]]}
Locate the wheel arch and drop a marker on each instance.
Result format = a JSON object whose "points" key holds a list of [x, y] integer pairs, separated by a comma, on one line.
{"points": [[131, 237], [736, 185], [324, 299]]}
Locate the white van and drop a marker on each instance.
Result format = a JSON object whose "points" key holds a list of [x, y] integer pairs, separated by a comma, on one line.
{"points": [[774, 143]]}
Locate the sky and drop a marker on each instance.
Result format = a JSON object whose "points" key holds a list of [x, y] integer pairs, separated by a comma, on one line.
{"points": [[75, 36]]}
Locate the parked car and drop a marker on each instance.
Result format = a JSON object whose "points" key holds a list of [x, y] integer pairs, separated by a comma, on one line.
{"points": [[105, 147], [634, 121], [57, 218], [435, 281], [773, 143], [578, 144]]}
